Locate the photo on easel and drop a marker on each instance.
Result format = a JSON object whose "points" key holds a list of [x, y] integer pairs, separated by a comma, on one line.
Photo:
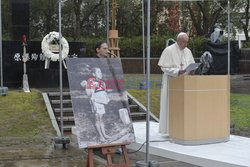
{"points": [[99, 101]]}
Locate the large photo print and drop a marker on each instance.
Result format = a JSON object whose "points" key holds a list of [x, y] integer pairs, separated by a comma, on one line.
{"points": [[99, 101]]}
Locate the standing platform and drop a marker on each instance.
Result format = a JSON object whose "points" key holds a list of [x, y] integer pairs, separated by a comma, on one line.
{"points": [[235, 152]]}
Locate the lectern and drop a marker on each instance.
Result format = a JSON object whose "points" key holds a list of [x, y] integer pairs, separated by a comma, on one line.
{"points": [[199, 109]]}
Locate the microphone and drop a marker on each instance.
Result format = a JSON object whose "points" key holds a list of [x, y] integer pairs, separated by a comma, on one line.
{"points": [[111, 53]]}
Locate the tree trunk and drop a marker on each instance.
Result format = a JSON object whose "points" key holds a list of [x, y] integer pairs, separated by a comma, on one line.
{"points": [[77, 12], [247, 17]]}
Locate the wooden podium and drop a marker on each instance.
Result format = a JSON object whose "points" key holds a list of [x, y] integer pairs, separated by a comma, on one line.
{"points": [[199, 109]]}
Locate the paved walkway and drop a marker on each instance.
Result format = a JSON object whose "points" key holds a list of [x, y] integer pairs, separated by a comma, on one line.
{"points": [[233, 153], [135, 156]]}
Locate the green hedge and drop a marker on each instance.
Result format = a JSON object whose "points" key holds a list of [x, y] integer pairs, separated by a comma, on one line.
{"points": [[246, 44], [196, 45], [90, 43], [132, 46]]}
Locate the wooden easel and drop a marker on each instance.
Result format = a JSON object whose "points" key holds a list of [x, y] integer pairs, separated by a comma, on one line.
{"points": [[113, 33], [108, 151]]}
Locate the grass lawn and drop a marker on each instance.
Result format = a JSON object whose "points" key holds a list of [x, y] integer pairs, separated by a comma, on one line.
{"points": [[240, 106], [240, 110], [240, 103], [141, 96], [23, 115]]}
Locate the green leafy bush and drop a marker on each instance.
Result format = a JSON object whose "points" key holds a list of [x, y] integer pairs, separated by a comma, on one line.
{"points": [[90, 43], [196, 45], [246, 44], [132, 46]]}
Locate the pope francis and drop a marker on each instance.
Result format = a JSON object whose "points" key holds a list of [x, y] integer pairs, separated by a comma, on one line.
{"points": [[173, 61]]}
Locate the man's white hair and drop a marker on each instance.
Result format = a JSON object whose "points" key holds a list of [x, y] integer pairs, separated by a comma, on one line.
{"points": [[181, 34]]}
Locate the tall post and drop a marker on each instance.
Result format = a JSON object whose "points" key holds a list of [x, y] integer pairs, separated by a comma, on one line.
{"points": [[3, 90], [113, 33], [60, 68], [114, 9], [147, 162], [61, 139], [143, 38], [107, 20], [1, 52], [228, 37], [148, 84]]}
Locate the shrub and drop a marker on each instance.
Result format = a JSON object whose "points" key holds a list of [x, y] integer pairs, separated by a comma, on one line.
{"points": [[246, 44], [132, 46], [196, 45], [90, 45]]}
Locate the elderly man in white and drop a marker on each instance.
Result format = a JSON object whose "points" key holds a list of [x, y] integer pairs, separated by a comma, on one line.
{"points": [[173, 61]]}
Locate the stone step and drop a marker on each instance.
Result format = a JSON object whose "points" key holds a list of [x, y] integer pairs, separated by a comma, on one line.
{"points": [[57, 97], [66, 111], [56, 103], [66, 120], [136, 112], [130, 101], [134, 108], [137, 116], [66, 128], [57, 94]]}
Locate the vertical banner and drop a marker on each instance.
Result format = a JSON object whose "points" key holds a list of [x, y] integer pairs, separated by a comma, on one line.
{"points": [[99, 101]]}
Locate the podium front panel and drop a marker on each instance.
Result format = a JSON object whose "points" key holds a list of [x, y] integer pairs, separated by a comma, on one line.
{"points": [[199, 109]]}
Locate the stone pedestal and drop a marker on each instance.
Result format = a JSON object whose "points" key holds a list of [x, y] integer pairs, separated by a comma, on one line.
{"points": [[3, 91]]}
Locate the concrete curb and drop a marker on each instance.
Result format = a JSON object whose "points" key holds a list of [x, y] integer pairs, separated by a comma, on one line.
{"points": [[51, 114]]}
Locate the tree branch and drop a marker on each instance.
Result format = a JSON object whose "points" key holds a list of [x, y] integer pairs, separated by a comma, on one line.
{"points": [[86, 17]]}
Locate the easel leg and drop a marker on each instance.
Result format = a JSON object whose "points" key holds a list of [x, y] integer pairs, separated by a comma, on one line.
{"points": [[90, 159], [109, 151], [109, 160], [125, 155]]}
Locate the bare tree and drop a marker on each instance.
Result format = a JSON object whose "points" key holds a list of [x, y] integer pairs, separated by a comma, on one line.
{"points": [[245, 19], [204, 15], [43, 17]]}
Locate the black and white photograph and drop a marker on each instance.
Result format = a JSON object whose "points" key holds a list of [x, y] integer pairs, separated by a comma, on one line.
{"points": [[99, 101]]}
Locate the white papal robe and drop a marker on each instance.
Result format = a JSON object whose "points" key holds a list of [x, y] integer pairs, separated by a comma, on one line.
{"points": [[171, 61]]}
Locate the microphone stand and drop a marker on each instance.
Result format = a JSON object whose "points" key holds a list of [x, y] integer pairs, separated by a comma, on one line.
{"points": [[112, 54]]}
